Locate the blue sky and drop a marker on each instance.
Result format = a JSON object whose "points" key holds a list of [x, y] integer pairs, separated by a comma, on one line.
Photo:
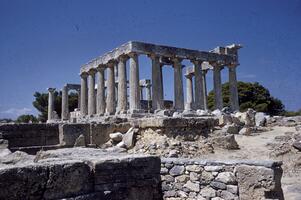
{"points": [[44, 43]]}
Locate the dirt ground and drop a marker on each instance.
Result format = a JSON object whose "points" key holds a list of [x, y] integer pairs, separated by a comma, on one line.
{"points": [[258, 147]]}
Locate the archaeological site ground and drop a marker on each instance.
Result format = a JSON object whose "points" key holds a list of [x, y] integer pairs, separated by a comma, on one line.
{"points": [[125, 141]]}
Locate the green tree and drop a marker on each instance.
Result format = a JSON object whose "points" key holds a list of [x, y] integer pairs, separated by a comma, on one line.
{"points": [[26, 119], [251, 95], [41, 103]]}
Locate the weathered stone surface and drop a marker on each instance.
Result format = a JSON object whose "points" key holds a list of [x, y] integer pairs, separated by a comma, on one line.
{"points": [[182, 178], [258, 182], [80, 141], [231, 128], [194, 168], [116, 137], [129, 138], [227, 195], [226, 177], [195, 187], [177, 170], [68, 133], [225, 142], [297, 145], [232, 188], [208, 192], [218, 185], [260, 119]]}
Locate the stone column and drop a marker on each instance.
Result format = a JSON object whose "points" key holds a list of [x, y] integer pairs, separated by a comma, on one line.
{"points": [[84, 94], [234, 104], [91, 93], [148, 96], [198, 85], [65, 106], [178, 85], [110, 89], [217, 84], [78, 98], [141, 92], [50, 103], [204, 72], [189, 93], [134, 83], [157, 85], [122, 85], [100, 97]]}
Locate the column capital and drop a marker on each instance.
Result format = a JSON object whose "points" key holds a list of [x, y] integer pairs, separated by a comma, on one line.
{"points": [[122, 58], [92, 71], [176, 59], [196, 62], [132, 54], [153, 56], [84, 74], [111, 64], [100, 68], [51, 90]]}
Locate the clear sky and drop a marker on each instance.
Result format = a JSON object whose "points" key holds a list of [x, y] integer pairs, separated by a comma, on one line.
{"points": [[44, 43]]}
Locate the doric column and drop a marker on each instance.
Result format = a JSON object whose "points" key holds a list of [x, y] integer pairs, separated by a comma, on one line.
{"points": [[189, 93], [217, 84], [234, 104], [78, 98], [157, 85], [141, 92], [65, 106], [100, 97], [204, 72], [91, 93], [198, 86], [122, 85], [134, 83], [50, 103], [84, 94], [110, 89], [178, 85]]}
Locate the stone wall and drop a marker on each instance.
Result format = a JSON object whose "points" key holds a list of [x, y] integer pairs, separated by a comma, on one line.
{"points": [[230, 180], [26, 135], [82, 173]]}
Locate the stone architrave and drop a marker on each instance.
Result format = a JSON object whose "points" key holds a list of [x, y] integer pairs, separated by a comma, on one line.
{"points": [[65, 105], [178, 85], [84, 94]]}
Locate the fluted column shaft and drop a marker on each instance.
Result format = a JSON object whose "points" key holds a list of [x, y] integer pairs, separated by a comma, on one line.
{"points": [[204, 89], [189, 93], [50, 103], [157, 85], [198, 86], [110, 101], [84, 94], [65, 105], [122, 85], [217, 82], [178, 85], [234, 104], [91, 93], [134, 83], [100, 97]]}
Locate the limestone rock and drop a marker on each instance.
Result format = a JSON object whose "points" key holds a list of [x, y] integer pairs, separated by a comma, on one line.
{"points": [[80, 141], [129, 138], [297, 145], [224, 119], [245, 131], [231, 128], [217, 112], [225, 142], [213, 168], [195, 187], [173, 153], [227, 195], [177, 170], [232, 188], [208, 192], [218, 185], [206, 177], [193, 168], [116, 137], [182, 178], [226, 177], [260, 119]]}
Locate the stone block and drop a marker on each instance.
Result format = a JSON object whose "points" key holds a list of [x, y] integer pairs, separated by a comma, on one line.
{"points": [[69, 133]]}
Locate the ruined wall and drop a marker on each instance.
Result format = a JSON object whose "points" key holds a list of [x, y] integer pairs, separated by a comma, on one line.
{"points": [[25, 135], [86, 175], [201, 179]]}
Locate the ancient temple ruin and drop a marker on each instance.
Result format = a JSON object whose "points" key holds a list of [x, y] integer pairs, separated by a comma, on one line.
{"points": [[111, 96]]}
